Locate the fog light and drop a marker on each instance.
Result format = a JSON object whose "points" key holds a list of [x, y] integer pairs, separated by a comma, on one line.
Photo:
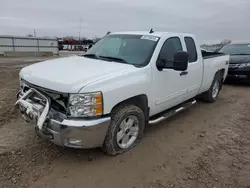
{"points": [[73, 142]]}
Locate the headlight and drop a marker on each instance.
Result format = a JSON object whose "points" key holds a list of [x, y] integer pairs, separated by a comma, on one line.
{"points": [[86, 105], [244, 65]]}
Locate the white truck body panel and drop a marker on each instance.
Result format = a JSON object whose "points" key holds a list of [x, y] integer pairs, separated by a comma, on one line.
{"points": [[180, 86], [70, 74], [211, 66]]}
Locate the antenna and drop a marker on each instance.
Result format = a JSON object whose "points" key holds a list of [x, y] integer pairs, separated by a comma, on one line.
{"points": [[151, 30]]}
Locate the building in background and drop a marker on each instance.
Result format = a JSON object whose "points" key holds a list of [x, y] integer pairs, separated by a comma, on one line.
{"points": [[28, 46]]}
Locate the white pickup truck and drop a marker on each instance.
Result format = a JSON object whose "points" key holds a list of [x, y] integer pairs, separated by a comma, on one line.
{"points": [[125, 82]]}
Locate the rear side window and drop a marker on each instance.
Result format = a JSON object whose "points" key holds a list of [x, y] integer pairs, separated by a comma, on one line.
{"points": [[191, 48], [169, 48]]}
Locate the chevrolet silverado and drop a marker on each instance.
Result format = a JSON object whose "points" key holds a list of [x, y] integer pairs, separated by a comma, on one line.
{"points": [[125, 82]]}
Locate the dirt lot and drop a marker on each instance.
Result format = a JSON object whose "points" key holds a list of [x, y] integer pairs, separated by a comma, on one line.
{"points": [[205, 146]]}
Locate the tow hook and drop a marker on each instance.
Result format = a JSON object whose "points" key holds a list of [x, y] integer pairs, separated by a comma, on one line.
{"points": [[44, 133], [18, 95]]}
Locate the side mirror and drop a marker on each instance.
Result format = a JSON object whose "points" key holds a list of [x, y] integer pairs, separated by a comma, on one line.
{"points": [[180, 62]]}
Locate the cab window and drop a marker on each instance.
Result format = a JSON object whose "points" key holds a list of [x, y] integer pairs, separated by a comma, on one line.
{"points": [[169, 48], [191, 48]]}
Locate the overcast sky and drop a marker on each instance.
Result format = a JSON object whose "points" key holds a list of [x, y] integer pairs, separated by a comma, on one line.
{"points": [[208, 19]]}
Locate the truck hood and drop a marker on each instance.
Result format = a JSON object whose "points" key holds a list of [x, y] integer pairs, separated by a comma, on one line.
{"points": [[239, 59], [70, 74]]}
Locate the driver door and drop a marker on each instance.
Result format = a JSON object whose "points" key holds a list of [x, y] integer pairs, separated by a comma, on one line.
{"points": [[170, 88]]}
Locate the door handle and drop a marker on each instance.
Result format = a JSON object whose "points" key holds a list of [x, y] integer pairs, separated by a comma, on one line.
{"points": [[183, 73]]}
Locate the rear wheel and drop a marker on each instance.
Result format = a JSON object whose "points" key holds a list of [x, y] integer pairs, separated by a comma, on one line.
{"points": [[126, 129], [212, 94]]}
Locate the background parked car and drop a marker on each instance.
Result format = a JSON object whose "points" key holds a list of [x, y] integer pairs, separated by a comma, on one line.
{"points": [[239, 64]]}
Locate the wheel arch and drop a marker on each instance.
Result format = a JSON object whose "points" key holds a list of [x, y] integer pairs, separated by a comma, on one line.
{"points": [[139, 100], [220, 73]]}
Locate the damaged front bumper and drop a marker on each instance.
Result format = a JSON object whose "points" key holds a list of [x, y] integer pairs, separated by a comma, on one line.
{"points": [[57, 127]]}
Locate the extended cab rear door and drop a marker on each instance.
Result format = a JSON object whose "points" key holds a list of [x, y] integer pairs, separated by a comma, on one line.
{"points": [[193, 78]]}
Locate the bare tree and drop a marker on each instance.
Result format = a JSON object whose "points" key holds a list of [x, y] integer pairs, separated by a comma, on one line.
{"points": [[225, 42]]}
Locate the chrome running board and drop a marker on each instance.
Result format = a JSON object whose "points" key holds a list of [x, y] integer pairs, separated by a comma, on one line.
{"points": [[172, 112]]}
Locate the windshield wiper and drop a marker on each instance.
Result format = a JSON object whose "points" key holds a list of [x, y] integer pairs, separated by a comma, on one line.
{"points": [[117, 59], [91, 56]]}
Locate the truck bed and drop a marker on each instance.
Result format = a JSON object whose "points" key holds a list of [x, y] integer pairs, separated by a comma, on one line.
{"points": [[213, 62], [207, 55]]}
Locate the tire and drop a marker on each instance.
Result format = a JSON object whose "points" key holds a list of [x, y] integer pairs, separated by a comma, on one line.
{"points": [[211, 95], [121, 117]]}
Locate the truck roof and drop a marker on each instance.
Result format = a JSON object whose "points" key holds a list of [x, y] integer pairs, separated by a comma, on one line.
{"points": [[157, 34]]}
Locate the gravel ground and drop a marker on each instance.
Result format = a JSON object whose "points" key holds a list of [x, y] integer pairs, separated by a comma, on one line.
{"points": [[207, 145]]}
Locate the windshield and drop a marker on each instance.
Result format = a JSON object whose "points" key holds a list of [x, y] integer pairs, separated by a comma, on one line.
{"points": [[235, 49], [131, 49]]}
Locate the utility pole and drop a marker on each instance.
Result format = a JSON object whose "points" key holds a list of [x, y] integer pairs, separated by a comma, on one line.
{"points": [[34, 33], [80, 29]]}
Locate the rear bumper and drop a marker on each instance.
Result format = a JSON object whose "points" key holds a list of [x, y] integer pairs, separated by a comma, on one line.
{"points": [[59, 129]]}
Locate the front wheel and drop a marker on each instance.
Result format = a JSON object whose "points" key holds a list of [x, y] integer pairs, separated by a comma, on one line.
{"points": [[126, 129]]}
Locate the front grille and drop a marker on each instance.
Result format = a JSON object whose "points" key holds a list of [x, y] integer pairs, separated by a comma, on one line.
{"points": [[58, 100]]}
